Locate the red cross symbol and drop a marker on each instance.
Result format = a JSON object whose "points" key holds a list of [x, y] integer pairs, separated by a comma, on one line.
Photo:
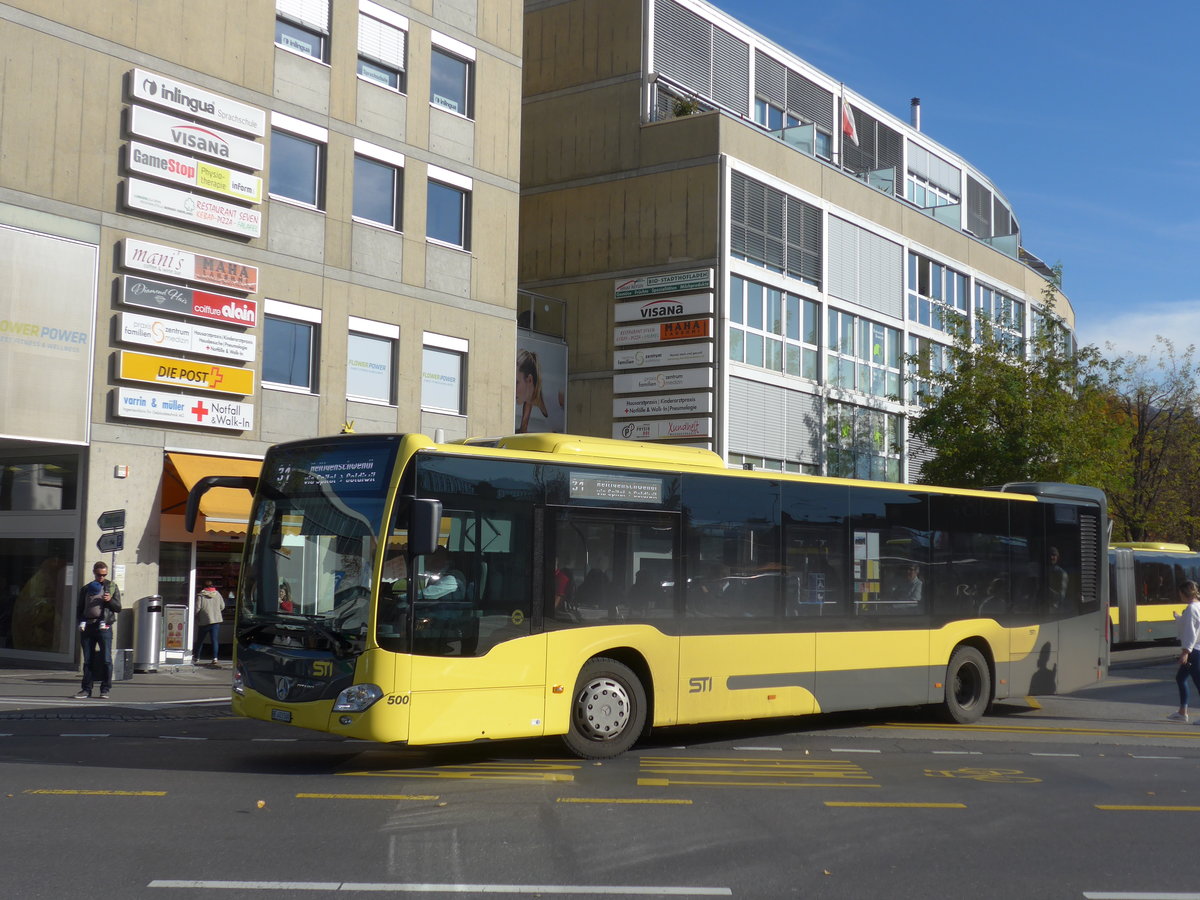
{"points": [[199, 410], [215, 376]]}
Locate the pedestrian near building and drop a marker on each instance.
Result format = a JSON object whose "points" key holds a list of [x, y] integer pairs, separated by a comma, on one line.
{"points": [[1188, 623], [210, 607], [99, 603]]}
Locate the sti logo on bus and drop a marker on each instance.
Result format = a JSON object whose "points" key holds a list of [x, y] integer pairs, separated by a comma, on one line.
{"points": [[701, 685], [658, 309], [322, 668]]}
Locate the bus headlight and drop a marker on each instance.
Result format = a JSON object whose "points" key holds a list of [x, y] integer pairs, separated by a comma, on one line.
{"points": [[357, 698], [239, 683]]}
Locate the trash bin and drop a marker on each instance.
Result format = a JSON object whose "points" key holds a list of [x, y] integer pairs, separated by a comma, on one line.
{"points": [[147, 634]]}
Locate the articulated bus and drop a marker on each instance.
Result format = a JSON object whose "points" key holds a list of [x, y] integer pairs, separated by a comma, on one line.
{"points": [[1144, 581], [587, 588]]}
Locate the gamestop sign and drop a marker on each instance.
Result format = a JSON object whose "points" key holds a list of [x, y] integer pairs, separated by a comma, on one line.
{"points": [[185, 301]]}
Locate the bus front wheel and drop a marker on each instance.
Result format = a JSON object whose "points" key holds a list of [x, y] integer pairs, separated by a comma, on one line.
{"points": [[968, 685], [608, 710]]}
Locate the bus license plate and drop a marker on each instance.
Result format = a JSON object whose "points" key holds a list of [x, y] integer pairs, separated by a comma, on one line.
{"points": [[281, 715]]}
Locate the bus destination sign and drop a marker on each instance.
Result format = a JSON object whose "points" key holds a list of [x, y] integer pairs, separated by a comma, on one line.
{"points": [[593, 486]]}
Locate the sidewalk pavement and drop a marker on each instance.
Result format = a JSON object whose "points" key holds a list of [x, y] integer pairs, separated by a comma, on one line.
{"points": [[173, 691]]}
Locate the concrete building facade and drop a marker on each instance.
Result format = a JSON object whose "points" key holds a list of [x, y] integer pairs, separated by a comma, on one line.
{"points": [[748, 250], [225, 225]]}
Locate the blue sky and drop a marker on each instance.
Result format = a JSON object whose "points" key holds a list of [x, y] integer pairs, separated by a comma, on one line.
{"points": [[1083, 114]]}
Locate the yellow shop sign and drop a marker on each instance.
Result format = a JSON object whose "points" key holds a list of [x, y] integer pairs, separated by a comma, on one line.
{"points": [[185, 373]]}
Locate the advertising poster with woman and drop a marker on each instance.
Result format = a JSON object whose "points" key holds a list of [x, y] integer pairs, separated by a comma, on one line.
{"points": [[541, 392]]}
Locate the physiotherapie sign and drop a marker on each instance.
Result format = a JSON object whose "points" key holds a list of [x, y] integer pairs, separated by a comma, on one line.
{"points": [[185, 301], [158, 259], [165, 370], [193, 101], [146, 160], [184, 409]]}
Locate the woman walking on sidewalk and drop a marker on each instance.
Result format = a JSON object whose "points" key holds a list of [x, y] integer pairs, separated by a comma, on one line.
{"points": [[1188, 623], [209, 615]]}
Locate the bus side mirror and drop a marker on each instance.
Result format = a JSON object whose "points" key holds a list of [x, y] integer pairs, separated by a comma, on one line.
{"points": [[424, 522], [207, 483]]}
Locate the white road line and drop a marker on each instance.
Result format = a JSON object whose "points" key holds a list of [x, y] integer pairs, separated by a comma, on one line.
{"points": [[380, 887], [765, 749], [958, 753], [1136, 895], [851, 750], [1073, 755], [1135, 756], [180, 737], [82, 734]]}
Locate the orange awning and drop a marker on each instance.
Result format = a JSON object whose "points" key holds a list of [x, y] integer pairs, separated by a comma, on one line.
{"points": [[223, 510]]}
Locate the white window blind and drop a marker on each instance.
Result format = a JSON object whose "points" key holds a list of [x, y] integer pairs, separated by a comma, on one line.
{"points": [[381, 42], [312, 14]]}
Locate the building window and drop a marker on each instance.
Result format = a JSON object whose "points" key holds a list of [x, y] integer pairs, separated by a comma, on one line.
{"points": [[451, 75], [38, 482], [290, 335], [937, 294], [1006, 315], [863, 443], [773, 329], [448, 208], [773, 230], [764, 464], [371, 361], [863, 355], [926, 359], [302, 26], [298, 162], [382, 38], [443, 374], [378, 185]]}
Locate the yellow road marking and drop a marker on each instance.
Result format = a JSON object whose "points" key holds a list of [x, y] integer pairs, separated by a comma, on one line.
{"points": [[897, 805], [486, 775], [93, 793], [661, 782], [366, 796], [1148, 808], [622, 800], [725, 771]]}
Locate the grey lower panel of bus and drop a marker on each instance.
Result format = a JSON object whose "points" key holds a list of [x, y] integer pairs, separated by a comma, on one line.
{"points": [[851, 688], [1067, 656]]}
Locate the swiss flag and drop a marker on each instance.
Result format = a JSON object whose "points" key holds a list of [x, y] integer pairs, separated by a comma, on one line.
{"points": [[848, 127]]}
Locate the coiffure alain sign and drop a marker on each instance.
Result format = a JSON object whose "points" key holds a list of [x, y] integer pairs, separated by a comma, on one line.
{"points": [[184, 301]]}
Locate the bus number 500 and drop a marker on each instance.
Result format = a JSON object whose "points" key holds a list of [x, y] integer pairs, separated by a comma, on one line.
{"points": [[397, 699]]}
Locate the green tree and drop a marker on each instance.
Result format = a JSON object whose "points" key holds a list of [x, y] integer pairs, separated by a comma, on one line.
{"points": [[996, 414], [1157, 496]]}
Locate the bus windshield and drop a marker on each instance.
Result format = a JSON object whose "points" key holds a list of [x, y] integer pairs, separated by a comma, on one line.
{"points": [[312, 543]]}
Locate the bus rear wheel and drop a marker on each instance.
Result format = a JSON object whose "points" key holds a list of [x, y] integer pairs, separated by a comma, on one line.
{"points": [[968, 686], [608, 710]]}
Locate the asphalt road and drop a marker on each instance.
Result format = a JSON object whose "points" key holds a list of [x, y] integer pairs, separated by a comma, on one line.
{"points": [[1093, 795]]}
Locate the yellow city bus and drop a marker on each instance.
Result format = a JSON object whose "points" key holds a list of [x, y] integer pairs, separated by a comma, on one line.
{"points": [[1144, 579], [550, 584]]}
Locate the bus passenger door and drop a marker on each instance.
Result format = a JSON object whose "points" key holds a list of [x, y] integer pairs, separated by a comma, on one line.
{"points": [[477, 670]]}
